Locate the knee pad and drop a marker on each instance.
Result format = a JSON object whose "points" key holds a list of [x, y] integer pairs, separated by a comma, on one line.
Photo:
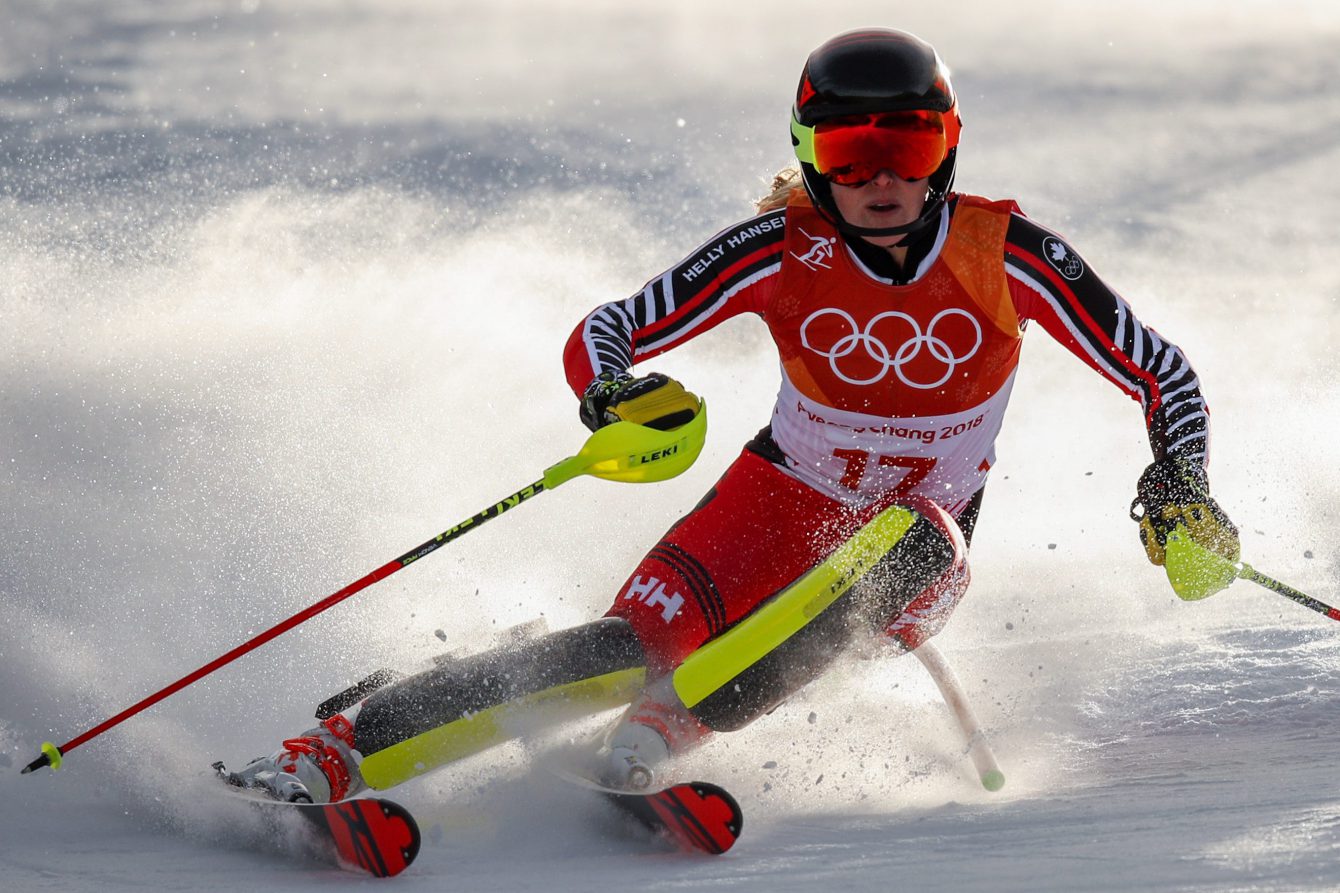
{"points": [[913, 603]]}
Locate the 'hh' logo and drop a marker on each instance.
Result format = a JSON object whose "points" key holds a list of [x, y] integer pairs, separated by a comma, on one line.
{"points": [[820, 253], [651, 592]]}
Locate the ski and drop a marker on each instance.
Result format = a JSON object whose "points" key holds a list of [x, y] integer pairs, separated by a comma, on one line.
{"points": [[698, 817], [694, 817], [370, 834]]}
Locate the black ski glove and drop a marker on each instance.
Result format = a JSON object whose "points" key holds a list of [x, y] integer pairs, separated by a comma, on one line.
{"points": [[1176, 491], [654, 400]]}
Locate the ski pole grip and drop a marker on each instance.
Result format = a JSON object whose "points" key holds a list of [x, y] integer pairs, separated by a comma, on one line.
{"points": [[51, 756]]}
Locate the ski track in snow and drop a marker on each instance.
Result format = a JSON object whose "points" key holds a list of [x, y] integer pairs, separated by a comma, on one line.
{"points": [[285, 290]]}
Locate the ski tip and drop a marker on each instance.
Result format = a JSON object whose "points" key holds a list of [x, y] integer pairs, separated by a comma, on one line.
{"points": [[697, 816], [373, 835], [51, 756], [993, 780]]}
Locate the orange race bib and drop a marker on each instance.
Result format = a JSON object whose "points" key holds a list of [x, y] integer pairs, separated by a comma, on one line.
{"points": [[897, 387]]}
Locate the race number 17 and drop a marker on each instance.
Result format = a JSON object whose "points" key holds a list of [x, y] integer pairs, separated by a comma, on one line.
{"points": [[857, 460]]}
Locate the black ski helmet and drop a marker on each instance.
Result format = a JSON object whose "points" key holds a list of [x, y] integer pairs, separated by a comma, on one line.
{"points": [[869, 71]]}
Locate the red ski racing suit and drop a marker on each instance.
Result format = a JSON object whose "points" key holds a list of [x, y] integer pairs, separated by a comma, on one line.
{"points": [[847, 516], [890, 393]]}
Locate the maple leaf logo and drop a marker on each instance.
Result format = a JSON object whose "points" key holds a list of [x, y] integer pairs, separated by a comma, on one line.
{"points": [[1059, 255]]}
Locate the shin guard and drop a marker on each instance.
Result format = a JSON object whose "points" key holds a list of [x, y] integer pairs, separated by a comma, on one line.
{"points": [[791, 638], [450, 712]]}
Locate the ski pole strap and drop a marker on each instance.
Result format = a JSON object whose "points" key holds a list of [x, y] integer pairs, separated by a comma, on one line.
{"points": [[1249, 573]]}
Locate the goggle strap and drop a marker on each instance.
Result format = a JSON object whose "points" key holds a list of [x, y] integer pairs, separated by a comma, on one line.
{"points": [[803, 137]]}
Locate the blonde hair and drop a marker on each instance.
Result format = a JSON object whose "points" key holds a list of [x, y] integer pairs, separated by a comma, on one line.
{"points": [[784, 182]]}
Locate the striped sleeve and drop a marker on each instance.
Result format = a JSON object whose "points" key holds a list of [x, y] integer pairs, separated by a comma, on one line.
{"points": [[1053, 285], [731, 273]]}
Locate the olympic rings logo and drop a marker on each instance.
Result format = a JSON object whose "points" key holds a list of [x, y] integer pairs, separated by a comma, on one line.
{"points": [[909, 350]]}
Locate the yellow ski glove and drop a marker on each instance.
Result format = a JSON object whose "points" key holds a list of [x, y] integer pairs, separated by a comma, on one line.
{"points": [[1184, 530], [654, 400]]}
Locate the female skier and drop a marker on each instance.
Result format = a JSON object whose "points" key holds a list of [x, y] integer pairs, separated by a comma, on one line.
{"points": [[898, 309]]}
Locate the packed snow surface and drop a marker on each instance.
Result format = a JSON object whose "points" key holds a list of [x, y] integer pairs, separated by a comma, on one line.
{"points": [[285, 286]]}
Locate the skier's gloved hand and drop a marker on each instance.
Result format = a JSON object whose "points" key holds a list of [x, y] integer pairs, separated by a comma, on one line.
{"points": [[654, 400], [1175, 492]]}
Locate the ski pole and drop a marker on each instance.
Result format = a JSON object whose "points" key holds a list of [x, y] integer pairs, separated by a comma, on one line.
{"points": [[1196, 572], [622, 451], [1247, 572], [988, 770]]}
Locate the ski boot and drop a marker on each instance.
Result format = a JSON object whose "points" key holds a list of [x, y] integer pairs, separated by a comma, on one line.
{"points": [[629, 758], [318, 766]]}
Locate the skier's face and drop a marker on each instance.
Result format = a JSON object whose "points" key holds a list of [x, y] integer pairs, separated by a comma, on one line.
{"points": [[887, 200]]}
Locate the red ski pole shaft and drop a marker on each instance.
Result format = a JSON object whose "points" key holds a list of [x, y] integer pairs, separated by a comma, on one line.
{"points": [[51, 755], [623, 451]]}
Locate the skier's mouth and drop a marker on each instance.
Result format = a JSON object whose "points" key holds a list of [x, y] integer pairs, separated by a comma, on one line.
{"points": [[882, 207]]}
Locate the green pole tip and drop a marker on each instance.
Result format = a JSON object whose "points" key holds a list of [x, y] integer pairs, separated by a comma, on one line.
{"points": [[993, 780]]}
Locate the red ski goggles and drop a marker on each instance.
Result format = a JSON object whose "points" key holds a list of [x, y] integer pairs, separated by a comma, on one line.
{"points": [[851, 150]]}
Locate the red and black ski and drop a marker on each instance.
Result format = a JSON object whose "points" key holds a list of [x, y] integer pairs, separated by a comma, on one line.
{"points": [[369, 834], [694, 817], [697, 817]]}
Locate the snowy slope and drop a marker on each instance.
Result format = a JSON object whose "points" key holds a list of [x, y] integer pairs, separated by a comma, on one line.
{"points": [[284, 290]]}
